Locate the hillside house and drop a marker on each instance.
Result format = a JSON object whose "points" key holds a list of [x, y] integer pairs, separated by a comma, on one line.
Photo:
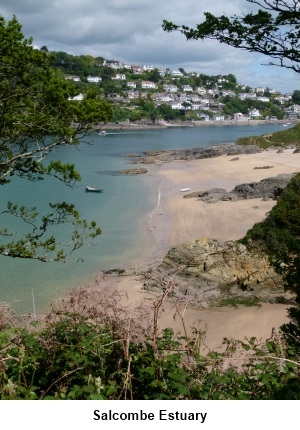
{"points": [[72, 78], [201, 90], [119, 77], [175, 73], [171, 88], [254, 113], [79, 97], [149, 85], [95, 79], [187, 89]]}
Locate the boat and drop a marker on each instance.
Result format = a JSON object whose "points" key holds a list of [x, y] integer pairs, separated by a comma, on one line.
{"points": [[93, 190], [184, 190], [102, 133]]}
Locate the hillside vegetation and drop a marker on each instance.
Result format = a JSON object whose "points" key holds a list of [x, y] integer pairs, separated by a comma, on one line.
{"points": [[279, 237], [284, 138]]}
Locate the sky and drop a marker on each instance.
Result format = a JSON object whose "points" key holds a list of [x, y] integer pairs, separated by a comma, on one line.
{"points": [[131, 31]]}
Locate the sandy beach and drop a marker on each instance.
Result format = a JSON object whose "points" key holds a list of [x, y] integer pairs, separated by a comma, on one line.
{"points": [[175, 220]]}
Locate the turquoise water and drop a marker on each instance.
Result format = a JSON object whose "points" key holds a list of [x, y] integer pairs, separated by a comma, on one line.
{"points": [[120, 211]]}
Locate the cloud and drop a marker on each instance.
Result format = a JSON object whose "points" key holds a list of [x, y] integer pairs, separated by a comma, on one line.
{"points": [[130, 30]]}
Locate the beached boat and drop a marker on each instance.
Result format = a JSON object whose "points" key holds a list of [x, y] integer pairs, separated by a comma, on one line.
{"points": [[93, 190], [184, 190]]}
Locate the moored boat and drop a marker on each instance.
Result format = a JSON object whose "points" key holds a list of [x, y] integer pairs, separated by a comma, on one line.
{"points": [[93, 190]]}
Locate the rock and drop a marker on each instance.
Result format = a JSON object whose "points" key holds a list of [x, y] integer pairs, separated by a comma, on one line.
{"points": [[235, 159], [114, 272], [269, 188], [197, 153], [137, 171], [209, 271], [263, 167]]}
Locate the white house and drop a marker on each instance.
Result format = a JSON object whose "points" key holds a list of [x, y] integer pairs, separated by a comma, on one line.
{"points": [[254, 113], [244, 96], [196, 99], [133, 94], [131, 84], [149, 85], [147, 68], [175, 73], [119, 77], [171, 88], [176, 105], [164, 98], [72, 78], [228, 93], [205, 101], [294, 109], [196, 106], [79, 97], [201, 90], [263, 99], [240, 117], [95, 79], [260, 90], [219, 118], [137, 70], [187, 88]]}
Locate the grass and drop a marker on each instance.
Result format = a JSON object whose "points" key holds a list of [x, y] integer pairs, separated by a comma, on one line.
{"points": [[278, 139]]}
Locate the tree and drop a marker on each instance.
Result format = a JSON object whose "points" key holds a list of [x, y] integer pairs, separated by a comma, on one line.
{"points": [[37, 115], [296, 97], [274, 30]]}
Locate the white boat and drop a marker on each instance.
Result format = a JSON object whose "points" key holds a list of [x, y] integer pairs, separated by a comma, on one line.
{"points": [[93, 190], [102, 133], [184, 190]]}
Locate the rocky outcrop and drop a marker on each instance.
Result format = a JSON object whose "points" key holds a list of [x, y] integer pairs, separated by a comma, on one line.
{"points": [[195, 153], [206, 271], [138, 171], [269, 188]]}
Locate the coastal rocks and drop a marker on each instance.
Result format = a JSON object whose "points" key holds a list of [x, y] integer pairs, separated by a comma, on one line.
{"points": [[269, 188], [138, 171], [196, 153], [206, 271], [263, 167]]}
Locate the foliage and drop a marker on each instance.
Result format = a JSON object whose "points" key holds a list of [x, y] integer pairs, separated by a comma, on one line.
{"points": [[273, 31], [38, 115], [277, 139], [296, 97], [279, 236], [93, 348]]}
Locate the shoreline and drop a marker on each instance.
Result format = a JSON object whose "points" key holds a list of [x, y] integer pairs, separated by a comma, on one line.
{"points": [[166, 124], [177, 220]]}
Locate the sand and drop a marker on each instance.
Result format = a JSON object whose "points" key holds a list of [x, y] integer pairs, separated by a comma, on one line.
{"points": [[175, 220]]}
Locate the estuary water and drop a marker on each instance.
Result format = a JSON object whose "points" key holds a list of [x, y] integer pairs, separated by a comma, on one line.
{"points": [[121, 210]]}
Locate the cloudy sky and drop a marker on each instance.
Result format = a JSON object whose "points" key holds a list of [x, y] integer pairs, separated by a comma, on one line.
{"points": [[130, 30]]}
